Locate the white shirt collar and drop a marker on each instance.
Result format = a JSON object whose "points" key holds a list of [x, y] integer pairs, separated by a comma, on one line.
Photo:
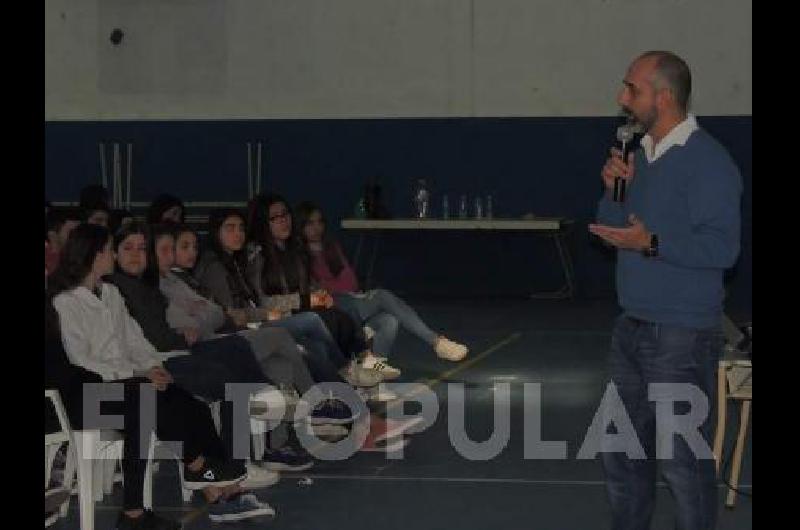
{"points": [[679, 135], [82, 292]]}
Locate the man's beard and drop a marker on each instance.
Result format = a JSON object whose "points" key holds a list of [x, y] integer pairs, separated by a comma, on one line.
{"points": [[646, 121]]}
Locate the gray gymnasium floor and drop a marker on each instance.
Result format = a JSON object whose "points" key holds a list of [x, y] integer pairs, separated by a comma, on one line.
{"points": [[560, 344]]}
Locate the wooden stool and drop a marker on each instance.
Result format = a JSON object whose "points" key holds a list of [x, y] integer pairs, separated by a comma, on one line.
{"points": [[734, 381]]}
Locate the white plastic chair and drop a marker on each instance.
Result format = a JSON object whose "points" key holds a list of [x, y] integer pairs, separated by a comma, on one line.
{"points": [[52, 443], [92, 456], [83, 448]]}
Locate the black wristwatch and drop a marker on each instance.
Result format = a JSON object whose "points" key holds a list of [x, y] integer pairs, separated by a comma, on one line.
{"points": [[652, 250]]}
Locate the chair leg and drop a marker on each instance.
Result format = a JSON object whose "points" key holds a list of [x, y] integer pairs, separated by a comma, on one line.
{"points": [[738, 452], [50, 452], [186, 493], [69, 473], [100, 456], [258, 439], [85, 447], [215, 414], [722, 411], [147, 496], [109, 465]]}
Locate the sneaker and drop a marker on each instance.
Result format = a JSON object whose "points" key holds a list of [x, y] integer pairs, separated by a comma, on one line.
{"points": [[258, 477], [328, 431], [287, 459], [332, 411], [449, 350], [238, 508], [387, 429], [394, 445], [214, 473], [369, 333], [377, 393], [359, 376], [147, 521], [265, 404], [380, 365]]}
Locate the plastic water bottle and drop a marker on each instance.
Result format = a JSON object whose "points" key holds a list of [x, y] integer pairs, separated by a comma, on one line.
{"points": [[361, 209], [462, 207], [489, 207], [445, 207], [422, 199], [478, 208]]}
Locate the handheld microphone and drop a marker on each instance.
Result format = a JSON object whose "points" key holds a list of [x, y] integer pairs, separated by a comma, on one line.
{"points": [[625, 134]]}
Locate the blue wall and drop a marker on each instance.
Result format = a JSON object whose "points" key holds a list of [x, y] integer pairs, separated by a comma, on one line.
{"points": [[549, 166]]}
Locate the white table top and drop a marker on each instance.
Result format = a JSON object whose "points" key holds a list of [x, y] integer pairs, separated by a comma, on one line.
{"points": [[537, 224]]}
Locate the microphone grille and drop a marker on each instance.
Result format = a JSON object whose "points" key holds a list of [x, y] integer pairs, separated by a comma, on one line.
{"points": [[626, 132]]}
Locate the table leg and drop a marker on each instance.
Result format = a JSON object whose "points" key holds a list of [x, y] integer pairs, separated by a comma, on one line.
{"points": [[368, 280], [722, 411], [357, 255], [568, 289], [744, 420]]}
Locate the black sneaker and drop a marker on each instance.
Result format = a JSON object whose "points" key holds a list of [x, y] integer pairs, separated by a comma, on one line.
{"points": [[147, 521], [287, 459], [332, 411], [214, 473], [238, 508]]}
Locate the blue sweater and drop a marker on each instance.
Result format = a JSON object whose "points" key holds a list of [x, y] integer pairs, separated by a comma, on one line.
{"points": [[690, 197]]}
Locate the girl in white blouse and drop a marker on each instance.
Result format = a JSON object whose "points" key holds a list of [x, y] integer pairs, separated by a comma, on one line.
{"points": [[99, 335]]}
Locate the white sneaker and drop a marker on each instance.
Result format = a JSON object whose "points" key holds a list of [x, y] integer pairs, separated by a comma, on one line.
{"points": [[372, 362], [376, 393], [264, 405], [267, 404], [258, 477], [358, 376], [328, 430], [449, 350]]}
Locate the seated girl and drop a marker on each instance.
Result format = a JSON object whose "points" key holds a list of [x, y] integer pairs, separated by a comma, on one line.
{"points": [[96, 334], [166, 208], [222, 273], [277, 352], [203, 367], [378, 309], [278, 268]]}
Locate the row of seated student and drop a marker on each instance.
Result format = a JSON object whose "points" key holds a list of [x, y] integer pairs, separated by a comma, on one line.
{"points": [[264, 304]]}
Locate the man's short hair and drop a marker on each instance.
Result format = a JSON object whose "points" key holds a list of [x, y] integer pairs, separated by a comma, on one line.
{"points": [[673, 73]]}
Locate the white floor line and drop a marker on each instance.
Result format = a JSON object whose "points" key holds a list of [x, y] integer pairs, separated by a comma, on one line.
{"points": [[463, 480], [477, 480]]}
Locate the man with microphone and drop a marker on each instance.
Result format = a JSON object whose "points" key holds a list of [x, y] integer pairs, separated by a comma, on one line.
{"points": [[676, 229]]}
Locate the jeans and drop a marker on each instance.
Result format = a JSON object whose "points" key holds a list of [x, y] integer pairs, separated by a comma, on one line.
{"points": [[382, 311], [279, 357], [323, 356], [643, 353]]}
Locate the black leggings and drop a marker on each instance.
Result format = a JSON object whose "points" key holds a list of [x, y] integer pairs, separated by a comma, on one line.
{"points": [[212, 364], [179, 417]]}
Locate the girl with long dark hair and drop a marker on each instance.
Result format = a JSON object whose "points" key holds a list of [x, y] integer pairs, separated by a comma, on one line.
{"points": [[379, 309], [204, 367], [99, 335], [274, 348], [278, 266], [222, 272]]}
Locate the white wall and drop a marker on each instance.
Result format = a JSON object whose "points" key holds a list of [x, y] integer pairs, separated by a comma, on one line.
{"points": [[194, 59]]}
